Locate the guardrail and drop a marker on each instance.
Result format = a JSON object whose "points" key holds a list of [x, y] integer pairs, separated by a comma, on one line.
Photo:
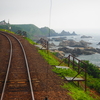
{"points": [[76, 65]]}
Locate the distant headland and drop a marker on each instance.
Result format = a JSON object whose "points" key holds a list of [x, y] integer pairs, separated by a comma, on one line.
{"points": [[32, 30]]}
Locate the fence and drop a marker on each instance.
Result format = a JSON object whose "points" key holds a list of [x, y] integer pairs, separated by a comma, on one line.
{"points": [[71, 60]]}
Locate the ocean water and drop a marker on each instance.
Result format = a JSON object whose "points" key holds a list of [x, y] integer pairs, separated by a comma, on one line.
{"points": [[94, 58]]}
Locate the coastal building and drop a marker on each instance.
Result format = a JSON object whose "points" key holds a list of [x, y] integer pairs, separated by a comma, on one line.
{"points": [[3, 22]]}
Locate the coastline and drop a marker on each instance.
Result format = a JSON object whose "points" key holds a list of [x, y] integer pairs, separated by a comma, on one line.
{"points": [[93, 58]]}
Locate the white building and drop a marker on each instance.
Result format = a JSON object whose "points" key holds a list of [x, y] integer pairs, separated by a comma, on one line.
{"points": [[3, 22]]}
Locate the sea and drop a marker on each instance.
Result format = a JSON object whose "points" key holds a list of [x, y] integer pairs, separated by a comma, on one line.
{"points": [[94, 58]]}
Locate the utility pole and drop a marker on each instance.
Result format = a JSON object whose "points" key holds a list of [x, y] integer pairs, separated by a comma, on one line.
{"points": [[9, 27]]}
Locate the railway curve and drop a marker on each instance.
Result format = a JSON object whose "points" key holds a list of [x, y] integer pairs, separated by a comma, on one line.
{"points": [[13, 79]]}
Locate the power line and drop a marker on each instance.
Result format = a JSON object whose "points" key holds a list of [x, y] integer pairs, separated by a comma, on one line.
{"points": [[50, 13], [46, 98]]}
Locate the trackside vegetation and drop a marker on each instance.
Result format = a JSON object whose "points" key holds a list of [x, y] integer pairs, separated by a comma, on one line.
{"points": [[64, 72], [93, 76], [29, 40], [4, 30], [77, 93], [51, 60]]}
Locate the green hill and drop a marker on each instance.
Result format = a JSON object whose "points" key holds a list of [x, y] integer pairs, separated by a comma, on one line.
{"points": [[32, 30], [48, 32]]}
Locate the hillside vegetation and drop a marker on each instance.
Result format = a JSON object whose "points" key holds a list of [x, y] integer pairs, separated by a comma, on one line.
{"points": [[33, 31], [76, 92]]}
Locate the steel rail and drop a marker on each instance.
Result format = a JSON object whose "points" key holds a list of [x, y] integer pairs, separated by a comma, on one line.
{"points": [[27, 66], [9, 63]]}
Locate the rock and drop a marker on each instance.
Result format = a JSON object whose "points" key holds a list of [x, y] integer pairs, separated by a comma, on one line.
{"points": [[73, 33], [63, 43], [98, 50], [88, 52], [84, 42], [74, 54], [59, 39], [98, 43], [64, 33], [90, 49], [59, 54], [51, 44], [86, 36], [73, 43], [65, 50], [77, 51]]}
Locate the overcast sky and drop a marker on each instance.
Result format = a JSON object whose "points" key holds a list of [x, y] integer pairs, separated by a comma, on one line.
{"points": [[81, 16]]}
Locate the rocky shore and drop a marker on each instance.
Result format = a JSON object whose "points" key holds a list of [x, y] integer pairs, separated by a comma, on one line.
{"points": [[73, 43], [74, 48], [80, 51]]}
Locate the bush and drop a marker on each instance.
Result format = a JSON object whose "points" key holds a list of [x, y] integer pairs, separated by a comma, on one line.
{"points": [[93, 83], [77, 93], [92, 69]]}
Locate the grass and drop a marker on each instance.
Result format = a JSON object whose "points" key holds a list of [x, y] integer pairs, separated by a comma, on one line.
{"points": [[29, 40], [51, 60], [77, 93], [64, 72], [4, 30]]}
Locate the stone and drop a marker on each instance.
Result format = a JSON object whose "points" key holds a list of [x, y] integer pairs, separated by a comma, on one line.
{"points": [[86, 36], [73, 43], [98, 43], [59, 39]]}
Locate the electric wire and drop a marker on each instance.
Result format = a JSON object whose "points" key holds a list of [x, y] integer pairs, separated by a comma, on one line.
{"points": [[46, 98]]}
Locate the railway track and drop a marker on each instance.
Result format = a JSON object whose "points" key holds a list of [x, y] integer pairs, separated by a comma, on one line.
{"points": [[16, 83]]}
